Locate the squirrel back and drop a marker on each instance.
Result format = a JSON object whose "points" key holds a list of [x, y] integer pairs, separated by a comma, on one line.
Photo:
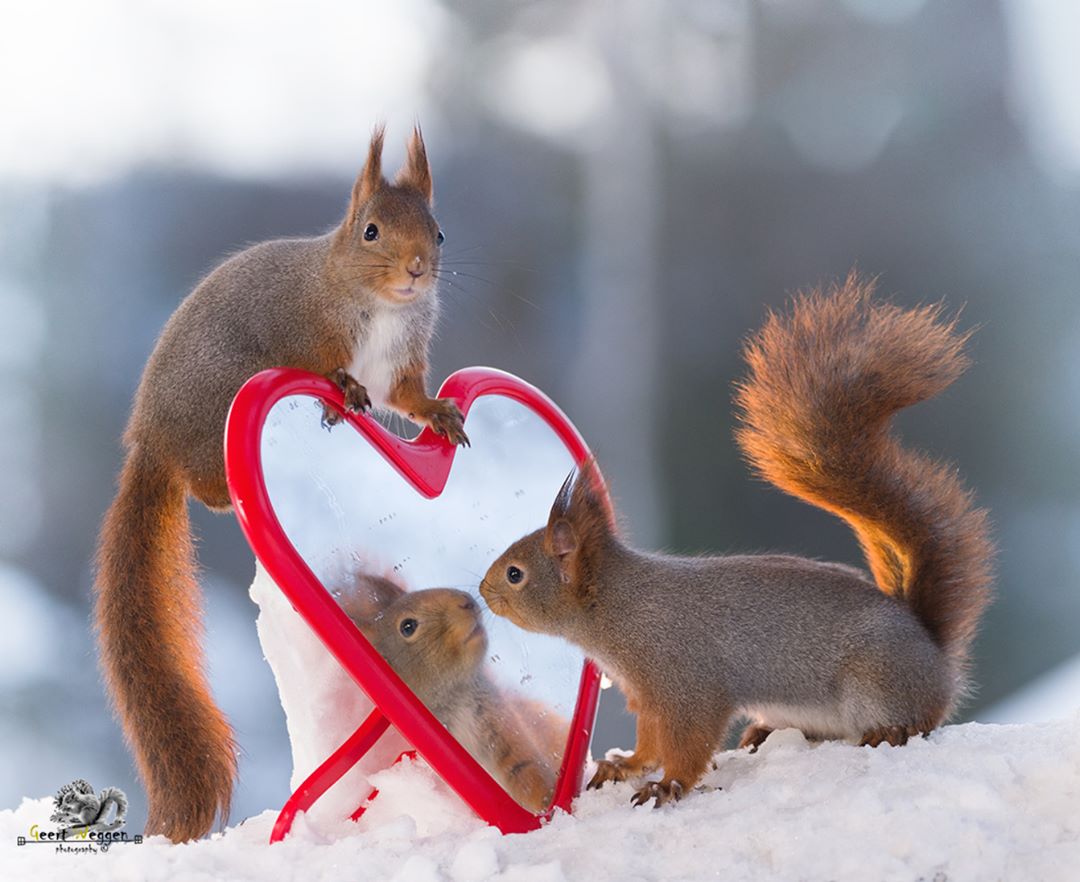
{"points": [[436, 642], [824, 382]]}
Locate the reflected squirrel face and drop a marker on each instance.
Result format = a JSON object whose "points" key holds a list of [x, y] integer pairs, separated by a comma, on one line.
{"points": [[431, 638]]}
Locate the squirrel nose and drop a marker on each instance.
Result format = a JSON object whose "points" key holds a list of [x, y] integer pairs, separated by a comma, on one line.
{"points": [[468, 604], [416, 267]]}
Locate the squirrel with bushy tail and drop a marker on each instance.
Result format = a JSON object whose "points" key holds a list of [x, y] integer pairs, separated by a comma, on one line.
{"points": [[695, 642], [357, 305]]}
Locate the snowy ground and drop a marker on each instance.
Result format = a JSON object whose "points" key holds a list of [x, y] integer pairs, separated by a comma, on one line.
{"points": [[979, 802]]}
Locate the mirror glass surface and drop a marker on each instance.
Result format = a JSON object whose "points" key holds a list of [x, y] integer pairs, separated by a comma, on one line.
{"points": [[407, 569]]}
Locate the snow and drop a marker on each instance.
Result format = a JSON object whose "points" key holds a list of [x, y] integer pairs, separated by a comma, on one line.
{"points": [[323, 705], [970, 802]]}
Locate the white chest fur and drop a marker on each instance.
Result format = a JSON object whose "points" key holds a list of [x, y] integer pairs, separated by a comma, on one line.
{"points": [[380, 349]]}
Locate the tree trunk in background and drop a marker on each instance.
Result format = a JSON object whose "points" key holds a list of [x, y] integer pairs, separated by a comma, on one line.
{"points": [[616, 377]]}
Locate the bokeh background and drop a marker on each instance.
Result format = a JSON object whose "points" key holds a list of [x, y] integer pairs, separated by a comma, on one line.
{"points": [[626, 188]]}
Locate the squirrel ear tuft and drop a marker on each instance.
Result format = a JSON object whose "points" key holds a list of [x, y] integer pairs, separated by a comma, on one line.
{"points": [[416, 172], [562, 544], [582, 496], [588, 504], [585, 487], [579, 524], [370, 180], [562, 501], [560, 541], [369, 598]]}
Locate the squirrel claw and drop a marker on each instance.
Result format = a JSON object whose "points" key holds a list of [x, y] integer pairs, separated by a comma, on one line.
{"points": [[662, 791], [448, 422], [356, 396], [607, 770], [356, 399], [330, 417], [894, 735]]}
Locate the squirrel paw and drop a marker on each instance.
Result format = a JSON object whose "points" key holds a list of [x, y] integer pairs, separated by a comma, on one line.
{"points": [[330, 417], [662, 791], [610, 770], [754, 736], [446, 420], [356, 397], [894, 735]]}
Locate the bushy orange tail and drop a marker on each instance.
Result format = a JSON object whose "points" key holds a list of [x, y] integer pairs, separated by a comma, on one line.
{"points": [[149, 625], [824, 382]]}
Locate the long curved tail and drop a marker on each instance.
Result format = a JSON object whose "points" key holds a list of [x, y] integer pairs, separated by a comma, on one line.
{"points": [[824, 382], [118, 800], [149, 624]]}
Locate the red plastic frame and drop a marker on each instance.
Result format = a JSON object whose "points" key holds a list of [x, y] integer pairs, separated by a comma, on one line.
{"points": [[424, 462]]}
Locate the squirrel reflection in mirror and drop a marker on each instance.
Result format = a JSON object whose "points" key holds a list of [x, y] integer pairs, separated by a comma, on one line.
{"points": [[435, 641]]}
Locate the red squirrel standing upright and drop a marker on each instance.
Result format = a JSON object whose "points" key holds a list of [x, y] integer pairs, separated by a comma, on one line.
{"points": [[357, 305], [696, 641]]}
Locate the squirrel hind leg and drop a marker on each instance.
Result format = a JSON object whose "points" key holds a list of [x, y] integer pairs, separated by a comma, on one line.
{"points": [[644, 759], [685, 754], [884, 702], [754, 736]]}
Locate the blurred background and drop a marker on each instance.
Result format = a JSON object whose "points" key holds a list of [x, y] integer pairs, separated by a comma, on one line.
{"points": [[627, 187]]}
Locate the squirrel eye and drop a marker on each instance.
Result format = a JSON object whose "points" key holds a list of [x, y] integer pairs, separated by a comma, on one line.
{"points": [[371, 232], [408, 627], [440, 238], [514, 575]]}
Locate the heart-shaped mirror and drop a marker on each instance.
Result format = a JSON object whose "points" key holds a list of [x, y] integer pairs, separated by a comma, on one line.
{"points": [[380, 542]]}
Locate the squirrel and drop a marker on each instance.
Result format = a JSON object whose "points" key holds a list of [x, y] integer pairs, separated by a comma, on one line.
{"points": [[435, 641], [694, 642], [357, 305]]}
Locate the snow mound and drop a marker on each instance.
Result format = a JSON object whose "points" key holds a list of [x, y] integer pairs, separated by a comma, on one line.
{"points": [[323, 705], [970, 802]]}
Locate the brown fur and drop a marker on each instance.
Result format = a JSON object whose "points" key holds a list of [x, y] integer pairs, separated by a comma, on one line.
{"points": [[319, 304], [787, 641], [923, 539], [147, 592]]}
